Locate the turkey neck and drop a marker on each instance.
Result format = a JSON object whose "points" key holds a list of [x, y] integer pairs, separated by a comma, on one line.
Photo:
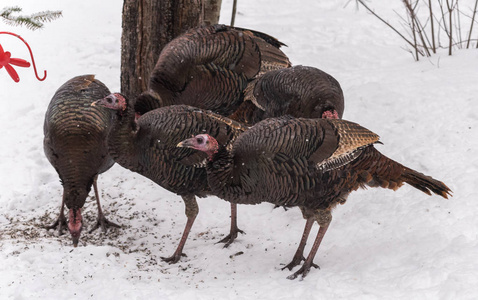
{"points": [[121, 139], [219, 173]]}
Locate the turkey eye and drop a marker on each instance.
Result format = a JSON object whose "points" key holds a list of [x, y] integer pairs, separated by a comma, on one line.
{"points": [[109, 100], [200, 140]]}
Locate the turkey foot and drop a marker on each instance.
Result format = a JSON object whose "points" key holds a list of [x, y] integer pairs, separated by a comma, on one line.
{"points": [[304, 270], [60, 223], [103, 223], [174, 258], [234, 229], [230, 237], [296, 261]]}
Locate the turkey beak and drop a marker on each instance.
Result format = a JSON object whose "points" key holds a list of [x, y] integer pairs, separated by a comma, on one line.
{"points": [[76, 238], [95, 103], [189, 143]]}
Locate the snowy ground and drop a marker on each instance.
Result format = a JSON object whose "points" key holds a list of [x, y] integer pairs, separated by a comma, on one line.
{"points": [[381, 244]]}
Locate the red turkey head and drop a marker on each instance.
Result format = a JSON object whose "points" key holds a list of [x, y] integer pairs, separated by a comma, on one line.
{"points": [[201, 142], [114, 101], [74, 200], [330, 114], [75, 224]]}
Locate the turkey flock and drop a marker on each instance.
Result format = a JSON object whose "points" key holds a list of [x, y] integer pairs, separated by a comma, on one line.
{"points": [[225, 114]]}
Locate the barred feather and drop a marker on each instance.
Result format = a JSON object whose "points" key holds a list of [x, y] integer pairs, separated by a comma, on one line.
{"points": [[299, 91], [312, 163], [209, 66], [149, 147], [75, 136]]}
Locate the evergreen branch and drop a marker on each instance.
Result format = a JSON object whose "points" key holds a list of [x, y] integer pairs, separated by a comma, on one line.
{"points": [[24, 21], [46, 16], [6, 12], [32, 22]]}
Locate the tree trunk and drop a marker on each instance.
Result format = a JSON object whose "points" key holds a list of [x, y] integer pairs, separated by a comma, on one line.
{"points": [[148, 25], [212, 8]]}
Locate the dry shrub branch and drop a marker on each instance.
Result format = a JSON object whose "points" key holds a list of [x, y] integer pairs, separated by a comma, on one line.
{"points": [[442, 21]]}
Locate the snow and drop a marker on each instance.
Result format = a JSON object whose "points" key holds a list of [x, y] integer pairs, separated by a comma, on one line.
{"points": [[380, 245]]}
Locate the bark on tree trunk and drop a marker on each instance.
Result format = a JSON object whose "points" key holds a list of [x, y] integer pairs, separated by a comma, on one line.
{"points": [[148, 25], [212, 8]]}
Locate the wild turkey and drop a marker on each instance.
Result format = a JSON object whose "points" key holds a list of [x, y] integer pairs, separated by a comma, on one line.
{"points": [[75, 144], [311, 163], [209, 67], [147, 146], [299, 91]]}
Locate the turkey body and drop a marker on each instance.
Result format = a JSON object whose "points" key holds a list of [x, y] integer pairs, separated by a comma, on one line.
{"points": [[209, 67], [310, 163], [75, 144], [299, 91], [148, 146]]}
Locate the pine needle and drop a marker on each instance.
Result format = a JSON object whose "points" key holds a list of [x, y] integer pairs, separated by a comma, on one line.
{"points": [[33, 22]]}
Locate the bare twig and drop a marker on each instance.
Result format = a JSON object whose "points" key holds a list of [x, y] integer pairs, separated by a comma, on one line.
{"points": [[416, 25], [450, 20], [458, 23], [434, 48], [386, 23], [234, 8], [445, 23], [424, 35], [411, 23], [471, 26], [462, 42]]}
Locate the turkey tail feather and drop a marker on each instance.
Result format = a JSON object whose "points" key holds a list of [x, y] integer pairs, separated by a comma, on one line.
{"points": [[377, 170], [425, 183]]}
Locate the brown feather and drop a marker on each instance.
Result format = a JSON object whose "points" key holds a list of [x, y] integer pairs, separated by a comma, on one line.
{"points": [[299, 91], [209, 67], [75, 141], [269, 160]]}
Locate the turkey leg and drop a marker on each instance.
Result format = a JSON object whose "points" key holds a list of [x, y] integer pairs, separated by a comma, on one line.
{"points": [[101, 221], [192, 211], [299, 254], [304, 270], [234, 229], [61, 221]]}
